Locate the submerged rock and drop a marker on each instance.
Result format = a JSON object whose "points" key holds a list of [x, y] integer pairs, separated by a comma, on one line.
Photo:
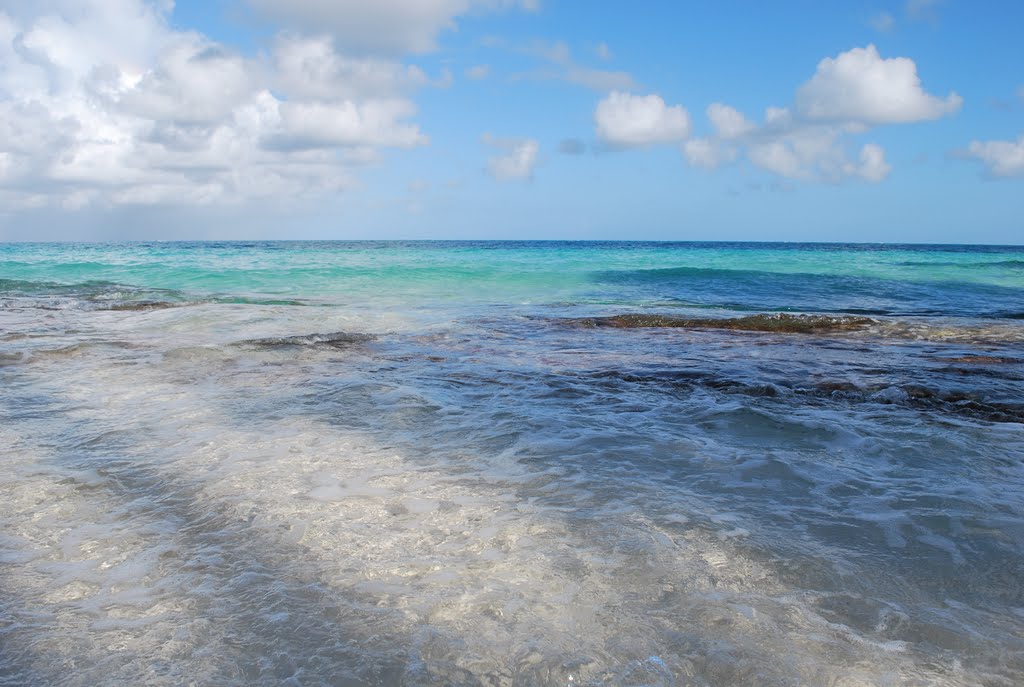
{"points": [[981, 360], [142, 305], [960, 402], [776, 322], [331, 340]]}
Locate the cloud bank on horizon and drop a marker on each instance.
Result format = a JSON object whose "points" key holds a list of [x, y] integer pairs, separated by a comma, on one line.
{"points": [[107, 104]]}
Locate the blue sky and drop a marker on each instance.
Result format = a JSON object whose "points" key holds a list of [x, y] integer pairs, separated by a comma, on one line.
{"points": [[532, 119]]}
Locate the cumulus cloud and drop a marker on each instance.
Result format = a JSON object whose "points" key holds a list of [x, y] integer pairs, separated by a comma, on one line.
{"points": [[624, 120], [780, 157], [518, 160], [312, 125], [480, 71], [728, 122], [703, 152], [861, 86], [311, 68], [785, 146], [847, 95], [380, 26], [192, 82], [101, 101], [873, 166], [1001, 158]]}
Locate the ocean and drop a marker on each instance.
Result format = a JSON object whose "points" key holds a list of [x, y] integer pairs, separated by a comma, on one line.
{"points": [[511, 463]]}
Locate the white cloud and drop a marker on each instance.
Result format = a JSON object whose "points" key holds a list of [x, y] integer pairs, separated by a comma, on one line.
{"points": [[518, 161], [380, 26], [307, 67], [847, 96], [566, 69], [777, 156], [599, 79], [1002, 158], [706, 153], [557, 52], [445, 80], [625, 120], [68, 38], [923, 10], [860, 86], [882, 22], [873, 166], [101, 102], [342, 124], [480, 71], [728, 122], [603, 51], [193, 82], [787, 147]]}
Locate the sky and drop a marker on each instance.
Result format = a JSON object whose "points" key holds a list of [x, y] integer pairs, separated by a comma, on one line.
{"points": [[863, 120]]}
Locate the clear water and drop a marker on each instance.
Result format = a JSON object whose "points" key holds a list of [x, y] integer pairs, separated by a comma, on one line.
{"points": [[410, 464]]}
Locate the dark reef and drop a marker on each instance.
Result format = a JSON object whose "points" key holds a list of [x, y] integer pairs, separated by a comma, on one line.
{"points": [[781, 322]]}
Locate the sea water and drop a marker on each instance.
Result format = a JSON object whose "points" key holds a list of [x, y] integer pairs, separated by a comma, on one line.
{"points": [[511, 463]]}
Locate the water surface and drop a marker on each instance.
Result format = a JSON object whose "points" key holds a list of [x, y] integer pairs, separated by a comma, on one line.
{"points": [[432, 463]]}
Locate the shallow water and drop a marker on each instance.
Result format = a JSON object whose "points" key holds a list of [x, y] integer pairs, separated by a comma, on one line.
{"points": [[407, 464]]}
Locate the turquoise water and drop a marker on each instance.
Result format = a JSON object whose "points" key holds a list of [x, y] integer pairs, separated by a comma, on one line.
{"points": [[433, 463], [819, 277]]}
